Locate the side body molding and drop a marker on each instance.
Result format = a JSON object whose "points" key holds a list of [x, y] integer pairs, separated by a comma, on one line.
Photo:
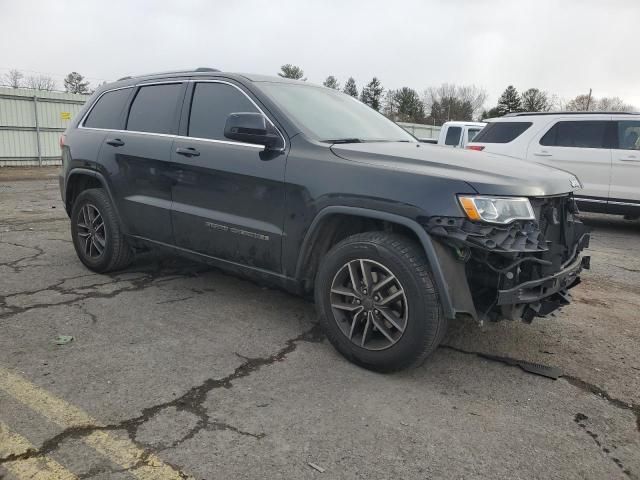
{"points": [[425, 239]]}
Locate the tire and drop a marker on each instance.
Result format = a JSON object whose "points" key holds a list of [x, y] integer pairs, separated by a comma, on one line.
{"points": [[108, 249], [417, 324]]}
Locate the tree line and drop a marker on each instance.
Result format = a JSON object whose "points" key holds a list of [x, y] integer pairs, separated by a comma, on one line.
{"points": [[457, 102], [73, 82]]}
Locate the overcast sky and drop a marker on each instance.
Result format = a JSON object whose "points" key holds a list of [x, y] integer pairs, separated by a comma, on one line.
{"points": [[564, 47]]}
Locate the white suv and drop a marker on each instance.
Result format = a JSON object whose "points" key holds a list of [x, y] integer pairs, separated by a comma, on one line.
{"points": [[601, 149]]}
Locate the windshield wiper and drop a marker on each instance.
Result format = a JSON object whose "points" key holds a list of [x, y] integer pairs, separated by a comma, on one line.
{"points": [[344, 140]]}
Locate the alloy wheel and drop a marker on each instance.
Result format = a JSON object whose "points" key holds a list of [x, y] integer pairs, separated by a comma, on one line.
{"points": [[91, 231], [369, 304]]}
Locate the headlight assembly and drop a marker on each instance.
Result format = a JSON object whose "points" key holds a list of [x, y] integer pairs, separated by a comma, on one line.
{"points": [[500, 210]]}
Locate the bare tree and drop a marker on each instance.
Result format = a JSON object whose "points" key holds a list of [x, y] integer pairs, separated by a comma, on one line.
{"points": [[613, 104], [41, 82], [14, 78], [454, 102], [583, 103], [534, 100]]}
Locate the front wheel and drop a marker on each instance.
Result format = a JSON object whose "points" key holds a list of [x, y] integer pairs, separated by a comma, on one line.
{"points": [[377, 303], [96, 233]]}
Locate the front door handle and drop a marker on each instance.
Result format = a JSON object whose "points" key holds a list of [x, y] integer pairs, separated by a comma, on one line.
{"points": [[543, 153], [115, 142], [188, 152]]}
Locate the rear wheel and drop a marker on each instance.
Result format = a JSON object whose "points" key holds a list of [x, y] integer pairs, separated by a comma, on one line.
{"points": [[377, 303], [96, 233]]}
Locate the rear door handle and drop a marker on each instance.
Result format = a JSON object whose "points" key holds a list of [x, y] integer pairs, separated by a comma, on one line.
{"points": [[188, 152], [543, 153], [115, 142]]}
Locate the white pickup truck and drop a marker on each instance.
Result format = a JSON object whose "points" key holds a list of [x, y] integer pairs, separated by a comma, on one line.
{"points": [[457, 134]]}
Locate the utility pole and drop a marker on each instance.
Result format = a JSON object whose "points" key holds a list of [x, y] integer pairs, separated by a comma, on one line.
{"points": [[589, 100]]}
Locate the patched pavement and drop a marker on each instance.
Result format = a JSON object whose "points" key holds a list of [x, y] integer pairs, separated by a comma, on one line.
{"points": [[177, 370]]}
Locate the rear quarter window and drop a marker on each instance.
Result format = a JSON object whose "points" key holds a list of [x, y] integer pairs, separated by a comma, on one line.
{"points": [[108, 110], [501, 132]]}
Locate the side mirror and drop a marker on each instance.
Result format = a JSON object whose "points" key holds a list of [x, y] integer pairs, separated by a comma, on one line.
{"points": [[253, 128]]}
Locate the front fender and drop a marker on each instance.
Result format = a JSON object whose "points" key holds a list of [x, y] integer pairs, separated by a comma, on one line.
{"points": [[433, 256]]}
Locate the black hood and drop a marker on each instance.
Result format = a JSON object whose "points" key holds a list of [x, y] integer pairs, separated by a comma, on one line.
{"points": [[488, 174]]}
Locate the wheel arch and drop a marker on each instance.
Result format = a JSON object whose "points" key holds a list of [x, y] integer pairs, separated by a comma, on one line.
{"points": [[325, 222], [80, 179]]}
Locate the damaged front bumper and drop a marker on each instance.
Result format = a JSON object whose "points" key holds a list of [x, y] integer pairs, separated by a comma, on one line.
{"points": [[517, 271]]}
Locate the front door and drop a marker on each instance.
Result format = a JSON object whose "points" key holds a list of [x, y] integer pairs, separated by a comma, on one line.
{"points": [[625, 179], [228, 196], [581, 147]]}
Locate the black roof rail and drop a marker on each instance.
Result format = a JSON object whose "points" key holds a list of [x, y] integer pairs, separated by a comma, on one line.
{"points": [[524, 114], [199, 69]]}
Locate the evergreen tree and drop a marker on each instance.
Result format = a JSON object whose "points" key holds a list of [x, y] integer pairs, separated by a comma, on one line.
{"points": [[74, 83], [350, 87], [291, 71], [332, 82], [491, 113], [410, 107], [509, 101], [372, 94]]}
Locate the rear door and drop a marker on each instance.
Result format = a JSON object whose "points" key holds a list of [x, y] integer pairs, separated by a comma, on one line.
{"points": [[138, 159], [625, 178], [581, 147], [228, 196]]}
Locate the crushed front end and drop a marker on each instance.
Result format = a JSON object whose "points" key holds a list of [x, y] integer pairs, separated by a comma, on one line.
{"points": [[519, 270]]}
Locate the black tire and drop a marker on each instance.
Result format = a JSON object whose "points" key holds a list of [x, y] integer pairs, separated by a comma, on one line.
{"points": [[424, 322], [116, 254]]}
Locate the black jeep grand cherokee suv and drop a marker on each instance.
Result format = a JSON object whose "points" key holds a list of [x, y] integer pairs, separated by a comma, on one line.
{"points": [[307, 188]]}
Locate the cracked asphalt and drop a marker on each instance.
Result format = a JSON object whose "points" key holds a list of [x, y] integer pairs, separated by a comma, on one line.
{"points": [[177, 370]]}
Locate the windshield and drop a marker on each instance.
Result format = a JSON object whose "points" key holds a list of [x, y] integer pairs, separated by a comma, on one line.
{"points": [[329, 115]]}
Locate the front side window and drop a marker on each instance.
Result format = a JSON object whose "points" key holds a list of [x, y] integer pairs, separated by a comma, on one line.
{"points": [[211, 104], [453, 136], [629, 135], [108, 110], [577, 134], [501, 132], [328, 115], [155, 108]]}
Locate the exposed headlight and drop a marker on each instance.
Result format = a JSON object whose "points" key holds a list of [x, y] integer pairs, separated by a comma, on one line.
{"points": [[497, 209]]}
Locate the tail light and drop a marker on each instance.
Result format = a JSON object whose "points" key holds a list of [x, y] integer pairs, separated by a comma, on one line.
{"points": [[477, 148], [62, 138]]}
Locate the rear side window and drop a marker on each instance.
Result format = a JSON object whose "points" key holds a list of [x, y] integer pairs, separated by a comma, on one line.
{"points": [[585, 134], [154, 108], [107, 112], [471, 134], [211, 105], [453, 136], [501, 132], [629, 135]]}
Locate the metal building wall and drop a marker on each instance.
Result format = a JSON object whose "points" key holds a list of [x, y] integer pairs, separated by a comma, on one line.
{"points": [[27, 139]]}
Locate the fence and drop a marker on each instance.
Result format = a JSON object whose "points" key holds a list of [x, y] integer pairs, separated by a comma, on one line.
{"points": [[421, 130], [31, 122]]}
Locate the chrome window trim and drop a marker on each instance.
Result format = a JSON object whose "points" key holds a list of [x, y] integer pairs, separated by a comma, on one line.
{"points": [[592, 200], [143, 84], [626, 204]]}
